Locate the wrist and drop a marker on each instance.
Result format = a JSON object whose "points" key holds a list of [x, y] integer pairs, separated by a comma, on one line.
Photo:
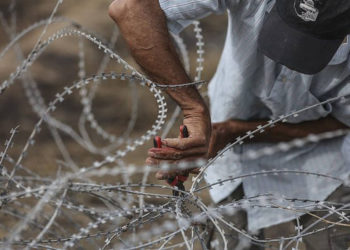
{"points": [[188, 98], [198, 109], [239, 128], [193, 103]]}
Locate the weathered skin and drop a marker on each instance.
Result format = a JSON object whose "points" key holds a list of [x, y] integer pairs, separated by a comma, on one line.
{"points": [[143, 25]]}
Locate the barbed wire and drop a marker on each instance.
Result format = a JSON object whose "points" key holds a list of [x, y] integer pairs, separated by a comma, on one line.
{"points": [[73, 208]]}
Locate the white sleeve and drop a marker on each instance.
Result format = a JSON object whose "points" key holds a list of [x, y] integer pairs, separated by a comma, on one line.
{"points": [[181, 13]]}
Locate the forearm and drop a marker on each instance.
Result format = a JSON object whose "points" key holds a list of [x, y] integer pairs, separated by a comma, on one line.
{"points": [[286, 132], [143, 25]]}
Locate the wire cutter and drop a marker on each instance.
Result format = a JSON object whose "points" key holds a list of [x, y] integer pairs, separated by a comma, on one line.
{"points": [[177, 180]]}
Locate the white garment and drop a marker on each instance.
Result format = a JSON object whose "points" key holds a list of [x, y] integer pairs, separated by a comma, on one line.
{"points": [[249, 86]]}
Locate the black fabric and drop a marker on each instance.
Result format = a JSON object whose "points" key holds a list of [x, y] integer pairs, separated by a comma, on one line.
{"points": [[333, 21], [305, 34], [293, 48]]}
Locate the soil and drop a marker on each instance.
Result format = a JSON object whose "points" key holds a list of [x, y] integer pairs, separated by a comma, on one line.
{"points": [[57, 67]]}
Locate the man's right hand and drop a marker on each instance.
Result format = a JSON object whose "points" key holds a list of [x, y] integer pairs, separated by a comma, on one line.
{"points": [[188, 149], [144, 27]]}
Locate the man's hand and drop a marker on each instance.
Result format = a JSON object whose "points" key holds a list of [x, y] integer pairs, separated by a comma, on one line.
{"points": [[143, 26], [184, 149], [226, 132], [222, 134]]}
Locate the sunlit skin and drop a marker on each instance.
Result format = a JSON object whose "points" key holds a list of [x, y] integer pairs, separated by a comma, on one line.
{"points": [[143, 25]]}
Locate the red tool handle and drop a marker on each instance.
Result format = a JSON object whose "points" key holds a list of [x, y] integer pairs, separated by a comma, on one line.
{"points": [[184, 131], [180, 178], [157, 142]]}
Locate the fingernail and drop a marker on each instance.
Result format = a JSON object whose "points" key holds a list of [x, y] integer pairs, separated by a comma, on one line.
{"points": [[164, 142]]}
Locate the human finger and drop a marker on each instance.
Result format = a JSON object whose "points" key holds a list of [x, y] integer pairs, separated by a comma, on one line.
{"points": [[164, 175], [185, 143], [176, 154]]}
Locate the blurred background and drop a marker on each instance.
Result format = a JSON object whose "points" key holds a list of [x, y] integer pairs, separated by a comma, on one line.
{"points": [[58, 67]]}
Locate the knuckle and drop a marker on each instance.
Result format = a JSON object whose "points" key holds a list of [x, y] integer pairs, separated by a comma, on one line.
{"points": [[182, 145], [202, 140], [159, 156], [150, 161]]}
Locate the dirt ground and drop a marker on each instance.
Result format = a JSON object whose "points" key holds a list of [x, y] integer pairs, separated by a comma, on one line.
{"points": [[58, 67]]}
